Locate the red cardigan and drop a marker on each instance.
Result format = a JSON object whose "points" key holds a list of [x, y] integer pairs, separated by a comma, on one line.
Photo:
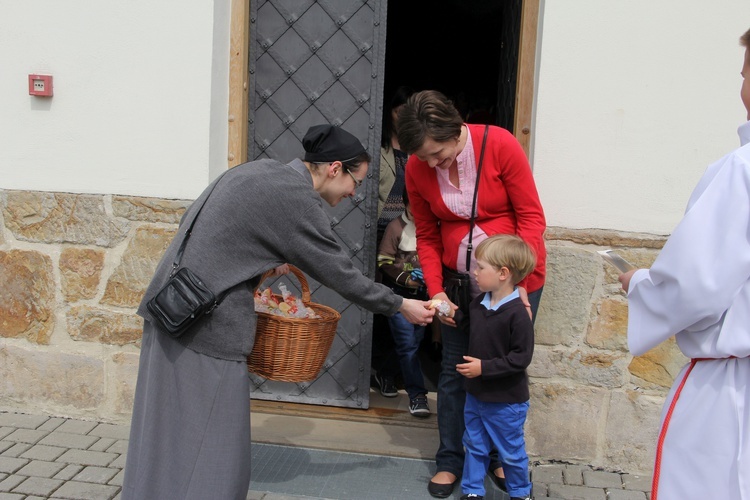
{"points": [[508, 203]]}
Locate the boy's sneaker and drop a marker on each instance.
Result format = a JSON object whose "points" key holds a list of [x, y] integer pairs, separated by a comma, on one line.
{"points": [[520, 498], [387, 386], [472, 496], [418, 406]]}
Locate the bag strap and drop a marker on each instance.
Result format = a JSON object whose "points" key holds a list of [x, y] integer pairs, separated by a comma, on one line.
{"points": [[189, 230], [470, 247]]}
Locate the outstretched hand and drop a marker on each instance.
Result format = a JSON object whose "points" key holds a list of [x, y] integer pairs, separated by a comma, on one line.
{"points": [[417, 312]]}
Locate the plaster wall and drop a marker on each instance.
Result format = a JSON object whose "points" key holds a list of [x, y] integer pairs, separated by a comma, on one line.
{"points": [[140, 95], [635, 99]]}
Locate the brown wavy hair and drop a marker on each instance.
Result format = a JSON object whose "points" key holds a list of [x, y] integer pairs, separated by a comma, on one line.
{"points": [[427, 114]]}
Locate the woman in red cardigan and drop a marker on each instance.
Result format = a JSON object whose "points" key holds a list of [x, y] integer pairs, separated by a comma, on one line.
{"points": [[441, 176]]}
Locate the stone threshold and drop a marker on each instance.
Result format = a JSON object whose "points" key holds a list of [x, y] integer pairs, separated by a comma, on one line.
{"points": [[378, 413]]}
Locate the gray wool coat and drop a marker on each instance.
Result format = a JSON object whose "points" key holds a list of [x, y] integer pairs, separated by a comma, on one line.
{"points": [[260, 215]]}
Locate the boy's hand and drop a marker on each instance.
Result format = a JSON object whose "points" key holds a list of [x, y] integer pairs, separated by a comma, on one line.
{"points": [[471, 369]]}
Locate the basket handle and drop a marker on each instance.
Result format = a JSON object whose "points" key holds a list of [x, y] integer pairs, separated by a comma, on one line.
{"points": [[300, 277]]}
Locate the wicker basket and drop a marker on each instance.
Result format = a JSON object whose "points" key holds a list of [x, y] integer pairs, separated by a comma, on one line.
{"points": [[293, 349]]}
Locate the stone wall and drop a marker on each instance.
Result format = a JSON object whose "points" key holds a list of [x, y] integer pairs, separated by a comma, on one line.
{"points": [[73, 269]]}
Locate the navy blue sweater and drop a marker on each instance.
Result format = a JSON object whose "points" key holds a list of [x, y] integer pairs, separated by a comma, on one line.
{"points": [[504, 341]]}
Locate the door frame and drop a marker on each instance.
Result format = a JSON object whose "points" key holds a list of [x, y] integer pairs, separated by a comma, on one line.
{"points": [[239, 46]]}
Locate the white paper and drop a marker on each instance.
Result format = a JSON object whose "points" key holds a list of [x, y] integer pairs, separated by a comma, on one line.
{"points": [[614, 259]]}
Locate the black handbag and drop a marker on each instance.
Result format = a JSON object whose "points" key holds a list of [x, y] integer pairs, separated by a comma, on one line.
{"points": [[457, 285], [185, 299]]}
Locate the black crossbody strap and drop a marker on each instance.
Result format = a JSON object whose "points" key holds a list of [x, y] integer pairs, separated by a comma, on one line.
{"points": [[469, 248], [189, 230]]}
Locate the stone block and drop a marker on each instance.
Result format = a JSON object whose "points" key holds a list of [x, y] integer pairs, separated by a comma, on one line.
{"points": [[659, 366], [29, 436], [566, 301], [43, 452], [68, 440], [118, 479], [573, 474], [75, 426], [130, 279], [625, 495], [44, 378], [16, 450], [9, 465], [22, 420], [77, 489], [62, 218], [40, 468], [51, 424], [632, 430], [10, 482], [149, 209], [85, 457], [38, 486], [100, 475], [576, 492], [585, 367], [119, 446], [96, 324], [638, 482], [80, 272], [548, 474], [69, 472], [605, 237], [103, 444], [563, 421], [27, 296], [111, 431], [609, 327], [602, 479], [123, 378]]}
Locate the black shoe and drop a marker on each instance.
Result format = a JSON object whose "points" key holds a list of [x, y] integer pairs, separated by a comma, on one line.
{"points": [[418, 406], [441, 490], [473, 496], [520, 498], [499, 481], [387, 386]]}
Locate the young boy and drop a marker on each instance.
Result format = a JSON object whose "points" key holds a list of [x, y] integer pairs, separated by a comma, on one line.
{"points": [[698, 290], [501, 343], [399, 267]]}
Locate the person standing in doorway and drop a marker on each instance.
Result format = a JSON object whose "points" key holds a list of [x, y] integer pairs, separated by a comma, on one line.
{"points": [[441, 179], [386, 362]]}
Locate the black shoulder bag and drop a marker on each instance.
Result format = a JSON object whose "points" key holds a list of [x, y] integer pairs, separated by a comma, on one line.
{"points": [[458, 285], [185, 298]]}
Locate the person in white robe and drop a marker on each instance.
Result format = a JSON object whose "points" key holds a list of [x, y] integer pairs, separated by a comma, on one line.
{"points": [[698, 290]]}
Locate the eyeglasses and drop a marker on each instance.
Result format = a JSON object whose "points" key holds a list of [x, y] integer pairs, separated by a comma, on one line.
{"points": [[357, 182]]}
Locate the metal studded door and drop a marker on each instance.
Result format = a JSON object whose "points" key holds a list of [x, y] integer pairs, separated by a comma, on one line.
{"points": [[315, 62]]}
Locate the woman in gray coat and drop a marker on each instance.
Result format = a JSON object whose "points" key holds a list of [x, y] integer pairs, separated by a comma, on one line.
{"points": [[190, 431]]}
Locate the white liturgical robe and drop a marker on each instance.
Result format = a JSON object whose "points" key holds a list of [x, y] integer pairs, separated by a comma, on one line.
{"points": [[699, 291]]}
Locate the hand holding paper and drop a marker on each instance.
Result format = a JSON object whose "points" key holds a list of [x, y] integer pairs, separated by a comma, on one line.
{"points": [[618, 262]]}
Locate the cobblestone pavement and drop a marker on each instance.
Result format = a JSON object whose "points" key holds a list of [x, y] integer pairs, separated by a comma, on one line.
{"points": [[49, 457]]}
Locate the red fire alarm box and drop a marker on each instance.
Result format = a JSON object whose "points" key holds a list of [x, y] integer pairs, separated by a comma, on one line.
{"points": [[40, 85]]}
